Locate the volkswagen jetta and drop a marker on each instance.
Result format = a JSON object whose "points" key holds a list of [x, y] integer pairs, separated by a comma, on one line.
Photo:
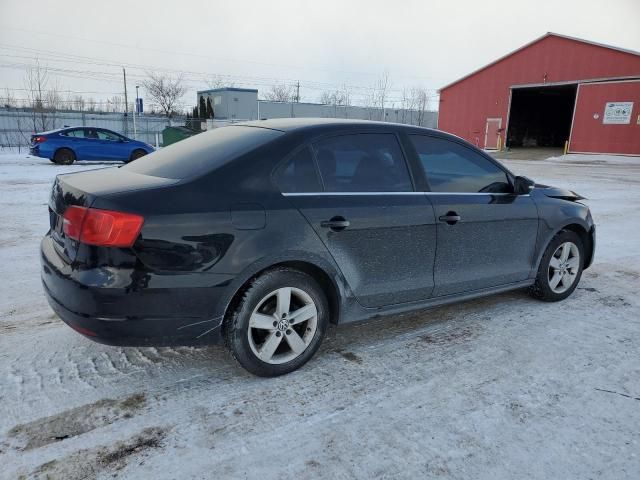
{"points": [[261, 234]]}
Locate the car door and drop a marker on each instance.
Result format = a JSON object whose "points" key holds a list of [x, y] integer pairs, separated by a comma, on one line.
{"points": [[380, 231], [486, 234], [89, 146], [112, 145], [73, 139]]}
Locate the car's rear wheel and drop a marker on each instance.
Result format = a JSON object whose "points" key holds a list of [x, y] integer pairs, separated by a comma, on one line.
{"points": [[64, 156], [137, 154], [560, 269], [279, 323]]}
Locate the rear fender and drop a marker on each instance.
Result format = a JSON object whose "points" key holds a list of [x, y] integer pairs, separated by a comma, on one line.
{"points": [[242, 280]]}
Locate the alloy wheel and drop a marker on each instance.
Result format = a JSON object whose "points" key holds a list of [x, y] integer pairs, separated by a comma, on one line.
{"points": [[564, 267], [283, 325]]}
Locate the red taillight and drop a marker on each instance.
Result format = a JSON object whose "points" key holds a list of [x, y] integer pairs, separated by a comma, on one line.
{"points": [[105, 228], [39, 139], [72, 221]]}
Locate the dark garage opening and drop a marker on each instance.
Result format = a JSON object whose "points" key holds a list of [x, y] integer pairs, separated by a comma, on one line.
{"points": [[541, 116]]}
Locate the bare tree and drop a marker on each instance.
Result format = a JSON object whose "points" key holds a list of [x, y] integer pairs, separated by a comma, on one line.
{"points": [[420, 98], [407, 106], [36, 82], [78, 103], [281, 93], [327, 97], [219, 81], [115, 104], [9, 101], [166, 91], [381, 92], [340, 97], [53, 99]]}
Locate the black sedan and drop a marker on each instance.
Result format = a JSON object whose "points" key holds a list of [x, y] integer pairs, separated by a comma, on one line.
{"points": [[261, 234]]}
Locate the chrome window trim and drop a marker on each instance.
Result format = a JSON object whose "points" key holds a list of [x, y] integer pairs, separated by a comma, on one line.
{"points": [[325, 194]]}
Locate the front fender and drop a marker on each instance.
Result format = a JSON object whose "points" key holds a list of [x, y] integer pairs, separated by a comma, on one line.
{"points": [[557, 214]]}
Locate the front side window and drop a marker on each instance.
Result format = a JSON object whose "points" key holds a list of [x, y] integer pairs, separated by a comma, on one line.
{"points": [[298, 174], [106, 135], [364, 162], [451, 167]]}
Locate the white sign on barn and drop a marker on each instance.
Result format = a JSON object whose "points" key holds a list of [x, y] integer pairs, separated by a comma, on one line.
{"points": [[617, 112]]}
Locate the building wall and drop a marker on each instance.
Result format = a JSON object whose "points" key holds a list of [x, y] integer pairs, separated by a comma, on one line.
{"points": [[591, 134], [270, 109], [232, 103], [466, 105], [236, 104]]}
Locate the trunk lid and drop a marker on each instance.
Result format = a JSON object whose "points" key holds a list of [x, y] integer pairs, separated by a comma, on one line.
{"points": [[82, 189]]}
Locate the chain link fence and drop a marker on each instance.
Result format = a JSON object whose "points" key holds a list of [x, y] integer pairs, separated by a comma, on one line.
{"points": [[18, 124]]}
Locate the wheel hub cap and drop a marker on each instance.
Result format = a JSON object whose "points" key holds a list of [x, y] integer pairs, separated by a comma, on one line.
{"points": [[282, 325], [564, 266]]}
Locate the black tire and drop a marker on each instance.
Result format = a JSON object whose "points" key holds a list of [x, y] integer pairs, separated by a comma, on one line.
{"points": [[236, 325], [64, 156], [136, 154], [542, 288]]}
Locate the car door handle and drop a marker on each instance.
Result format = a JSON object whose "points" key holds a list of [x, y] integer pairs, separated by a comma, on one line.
{"points": [[336, 224], [451, 218]]}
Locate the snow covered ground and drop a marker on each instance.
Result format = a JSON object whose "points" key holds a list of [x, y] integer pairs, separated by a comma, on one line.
{"points": [[499, 388]]}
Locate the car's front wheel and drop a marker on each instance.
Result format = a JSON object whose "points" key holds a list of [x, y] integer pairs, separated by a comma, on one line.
{"points": [[560, 269], [279, 323]]}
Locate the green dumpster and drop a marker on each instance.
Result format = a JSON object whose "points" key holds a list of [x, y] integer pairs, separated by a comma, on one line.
{"points": [[175, 134]]}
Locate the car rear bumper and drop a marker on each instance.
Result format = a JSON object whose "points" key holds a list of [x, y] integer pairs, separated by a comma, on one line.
{"points": [[128, 307]]}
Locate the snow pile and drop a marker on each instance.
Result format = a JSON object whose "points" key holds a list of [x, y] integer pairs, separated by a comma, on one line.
{"points": [[498, 388]]}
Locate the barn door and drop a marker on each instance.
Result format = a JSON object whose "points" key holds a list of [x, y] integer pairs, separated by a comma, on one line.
{"points": [[491, 133]]}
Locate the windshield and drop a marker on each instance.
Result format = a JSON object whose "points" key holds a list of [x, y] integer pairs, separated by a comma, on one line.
{"points": [[203, 152]]}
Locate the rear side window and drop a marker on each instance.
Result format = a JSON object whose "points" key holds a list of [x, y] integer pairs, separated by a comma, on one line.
{"points": [[364, 162], [91, 133], [451, 167], [298, 174], [203, 152]]}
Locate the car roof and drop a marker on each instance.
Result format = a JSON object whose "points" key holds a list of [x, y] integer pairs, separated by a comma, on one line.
{"points": [[75, 127], [294, 124]]}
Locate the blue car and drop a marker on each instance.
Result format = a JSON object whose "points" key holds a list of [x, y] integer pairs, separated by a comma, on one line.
{"points": [[66, 145]]}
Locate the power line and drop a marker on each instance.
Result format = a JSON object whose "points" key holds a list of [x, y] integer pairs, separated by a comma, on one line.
{"points": [[243, 79], [210, 57]]}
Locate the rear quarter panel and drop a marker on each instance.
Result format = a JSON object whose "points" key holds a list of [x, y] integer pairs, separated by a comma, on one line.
{"points": [[224, 223]]}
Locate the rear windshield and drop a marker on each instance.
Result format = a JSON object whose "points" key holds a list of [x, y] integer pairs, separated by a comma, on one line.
{"points": [[203, 152]]}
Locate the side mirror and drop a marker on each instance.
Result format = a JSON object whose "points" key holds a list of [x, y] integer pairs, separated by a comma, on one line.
{"points": [[523, 185]]}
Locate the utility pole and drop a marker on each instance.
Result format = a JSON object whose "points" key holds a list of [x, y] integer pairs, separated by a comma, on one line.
{"points": [[298, 92], [126, 105], [135, 114]]}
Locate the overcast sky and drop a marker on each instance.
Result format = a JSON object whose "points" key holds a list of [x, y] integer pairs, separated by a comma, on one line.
{"points": [[321, 43]]}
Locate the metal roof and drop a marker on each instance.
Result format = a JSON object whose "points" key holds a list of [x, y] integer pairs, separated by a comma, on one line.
{"points": [[548, 34], [228, 89]]}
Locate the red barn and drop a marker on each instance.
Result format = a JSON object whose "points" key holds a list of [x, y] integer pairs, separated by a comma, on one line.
{"points": [[553, 90]]}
